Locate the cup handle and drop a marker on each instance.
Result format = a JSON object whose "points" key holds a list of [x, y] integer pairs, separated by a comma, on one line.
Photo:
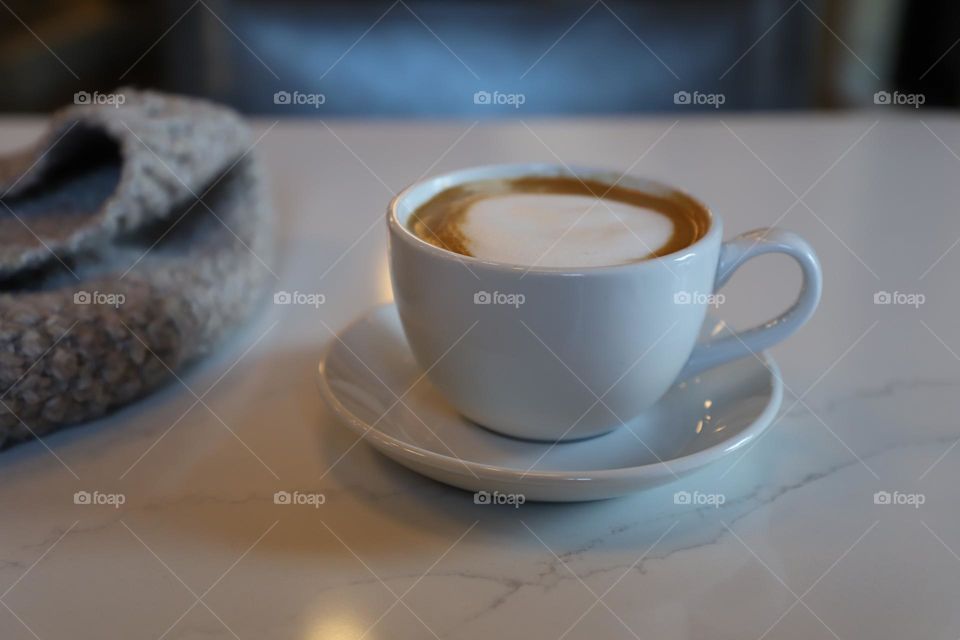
{"points": [[733, 254]]}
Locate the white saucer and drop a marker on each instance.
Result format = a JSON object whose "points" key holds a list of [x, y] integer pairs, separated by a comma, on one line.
{"points": [[369, 378]]}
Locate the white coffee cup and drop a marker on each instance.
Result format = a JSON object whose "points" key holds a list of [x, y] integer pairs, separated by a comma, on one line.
{"points": [[555, 354]]}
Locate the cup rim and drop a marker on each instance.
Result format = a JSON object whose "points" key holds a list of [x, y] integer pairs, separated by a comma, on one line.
{"points": [[519, 170]]}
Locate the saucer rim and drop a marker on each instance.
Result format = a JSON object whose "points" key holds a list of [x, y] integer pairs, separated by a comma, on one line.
{"points": [[673, 466]]}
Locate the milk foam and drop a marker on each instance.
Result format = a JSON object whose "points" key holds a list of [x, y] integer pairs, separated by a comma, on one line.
{"points": [[561, 230]]}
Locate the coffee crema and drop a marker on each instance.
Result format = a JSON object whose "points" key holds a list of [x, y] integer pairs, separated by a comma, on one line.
{"points": [[558, 222]]}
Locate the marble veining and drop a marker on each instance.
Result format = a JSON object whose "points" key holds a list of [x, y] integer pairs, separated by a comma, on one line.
{"points": [[804, 512]]}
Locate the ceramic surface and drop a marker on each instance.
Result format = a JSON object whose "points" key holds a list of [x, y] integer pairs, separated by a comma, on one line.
{"points": [[371, 380], [549, 353]]}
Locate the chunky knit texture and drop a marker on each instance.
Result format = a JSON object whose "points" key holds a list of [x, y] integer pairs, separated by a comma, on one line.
{"points": [[131, 240]]}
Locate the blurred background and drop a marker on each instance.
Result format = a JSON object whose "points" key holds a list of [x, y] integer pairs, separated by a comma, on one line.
{"points": [[476, 58]]}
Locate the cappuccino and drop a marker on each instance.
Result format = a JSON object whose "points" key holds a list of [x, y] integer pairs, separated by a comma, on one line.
{"points": [[558, 222]]}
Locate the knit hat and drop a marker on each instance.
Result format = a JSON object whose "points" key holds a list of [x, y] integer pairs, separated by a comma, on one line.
{"points": [[133, 236]]}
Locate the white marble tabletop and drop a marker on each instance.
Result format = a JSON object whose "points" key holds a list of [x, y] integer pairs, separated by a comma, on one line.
{"points": [[799, 549]]}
